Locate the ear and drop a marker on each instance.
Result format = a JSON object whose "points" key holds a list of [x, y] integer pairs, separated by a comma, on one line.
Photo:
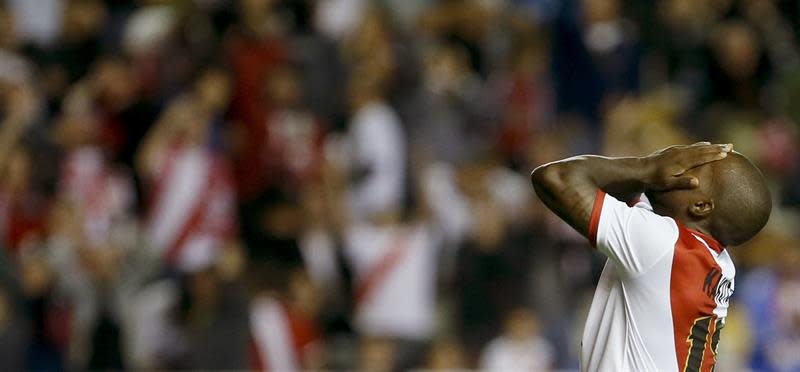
{"points": [[701, 208]]}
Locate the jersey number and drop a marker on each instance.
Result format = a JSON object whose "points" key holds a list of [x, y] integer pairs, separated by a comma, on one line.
{"points": [[698, 339]]}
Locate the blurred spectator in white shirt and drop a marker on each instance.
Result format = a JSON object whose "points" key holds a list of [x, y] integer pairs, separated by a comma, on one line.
{"points": [[520, 347], [37, 21], [379, 149]]}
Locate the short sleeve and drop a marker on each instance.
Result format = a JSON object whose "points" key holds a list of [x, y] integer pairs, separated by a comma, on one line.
{"points": [[635, 238]]}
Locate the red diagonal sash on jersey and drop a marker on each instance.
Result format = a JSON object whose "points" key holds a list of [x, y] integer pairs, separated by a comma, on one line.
{"points": [[198, 219], [192, 225], [380, 271], [272, 340]]}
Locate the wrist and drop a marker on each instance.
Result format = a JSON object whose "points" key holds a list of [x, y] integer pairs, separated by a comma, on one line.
{"points": [[647, 171]]}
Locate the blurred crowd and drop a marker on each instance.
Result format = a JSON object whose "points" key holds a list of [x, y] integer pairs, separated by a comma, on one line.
{"points": [[343, 184]]}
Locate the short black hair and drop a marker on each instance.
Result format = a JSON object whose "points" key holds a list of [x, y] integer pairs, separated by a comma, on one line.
{"points": [[742, 200]]}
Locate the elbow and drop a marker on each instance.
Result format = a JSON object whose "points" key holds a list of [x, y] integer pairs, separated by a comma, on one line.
{"points": [[547, 176], [549, 180]]}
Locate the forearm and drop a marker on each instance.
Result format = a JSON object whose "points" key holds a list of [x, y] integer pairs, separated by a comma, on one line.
{"points": [[568, 187], [10, 132], [153, 144]]}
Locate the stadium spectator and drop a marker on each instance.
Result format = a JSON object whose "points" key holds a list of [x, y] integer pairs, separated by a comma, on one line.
{"points": [[192, 210], [520, 347]]}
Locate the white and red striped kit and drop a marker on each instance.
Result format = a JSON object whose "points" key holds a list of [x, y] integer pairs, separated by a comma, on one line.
{"points": [[103, 193], [663, 295], [193, 207], [395, 277]]}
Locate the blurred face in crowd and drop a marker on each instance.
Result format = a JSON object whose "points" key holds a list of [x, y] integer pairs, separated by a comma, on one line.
{"points": [[682, 13], [521, 324], [737, 50], [76, 127], [597, 11], [363, 87], [37, 276], [370, 36], [8, 37], [115, 82], [190, 119], [376, 355], [64, 220], [204, 288], [529, 60], [260, 7], [255, 14], [83, 18], [446, 68], [16, 176], [214, 89], [304, 294], [490, 229], [283, 220], [446, 356], [370, 43], [314, 205], [789, 260], [283, 87]]}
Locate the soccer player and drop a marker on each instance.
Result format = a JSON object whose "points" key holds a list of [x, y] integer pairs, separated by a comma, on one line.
{"points": [[664, 221]]}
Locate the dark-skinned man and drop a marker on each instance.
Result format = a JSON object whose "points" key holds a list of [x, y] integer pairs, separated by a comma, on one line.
{"points": [[664, 222]]}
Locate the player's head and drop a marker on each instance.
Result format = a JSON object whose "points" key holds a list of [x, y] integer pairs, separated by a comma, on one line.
{"points": [[732, 201]]}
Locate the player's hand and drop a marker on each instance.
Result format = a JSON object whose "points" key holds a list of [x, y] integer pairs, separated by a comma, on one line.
{"points": [[667, 167]]}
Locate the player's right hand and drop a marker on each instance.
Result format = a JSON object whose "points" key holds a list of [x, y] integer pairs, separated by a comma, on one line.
{"points": [[667, 167]]}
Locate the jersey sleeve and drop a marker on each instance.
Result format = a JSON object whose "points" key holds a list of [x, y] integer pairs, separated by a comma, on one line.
{"points": [[635, 238]]}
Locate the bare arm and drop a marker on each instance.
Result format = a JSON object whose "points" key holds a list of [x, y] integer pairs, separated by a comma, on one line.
{"points": [[169, 127], [21, 107], [568, 187]]}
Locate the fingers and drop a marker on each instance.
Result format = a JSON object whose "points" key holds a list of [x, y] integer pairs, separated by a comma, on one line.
{"points": [[708, 147], [683, 183], [713, 154], [702, 153]]}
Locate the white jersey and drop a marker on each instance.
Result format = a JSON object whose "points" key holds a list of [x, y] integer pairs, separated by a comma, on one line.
{"points": [[663, 294], [395, 280]]}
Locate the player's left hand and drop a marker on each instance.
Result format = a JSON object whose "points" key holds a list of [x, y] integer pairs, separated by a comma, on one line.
{"points": [[667, 167]]}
